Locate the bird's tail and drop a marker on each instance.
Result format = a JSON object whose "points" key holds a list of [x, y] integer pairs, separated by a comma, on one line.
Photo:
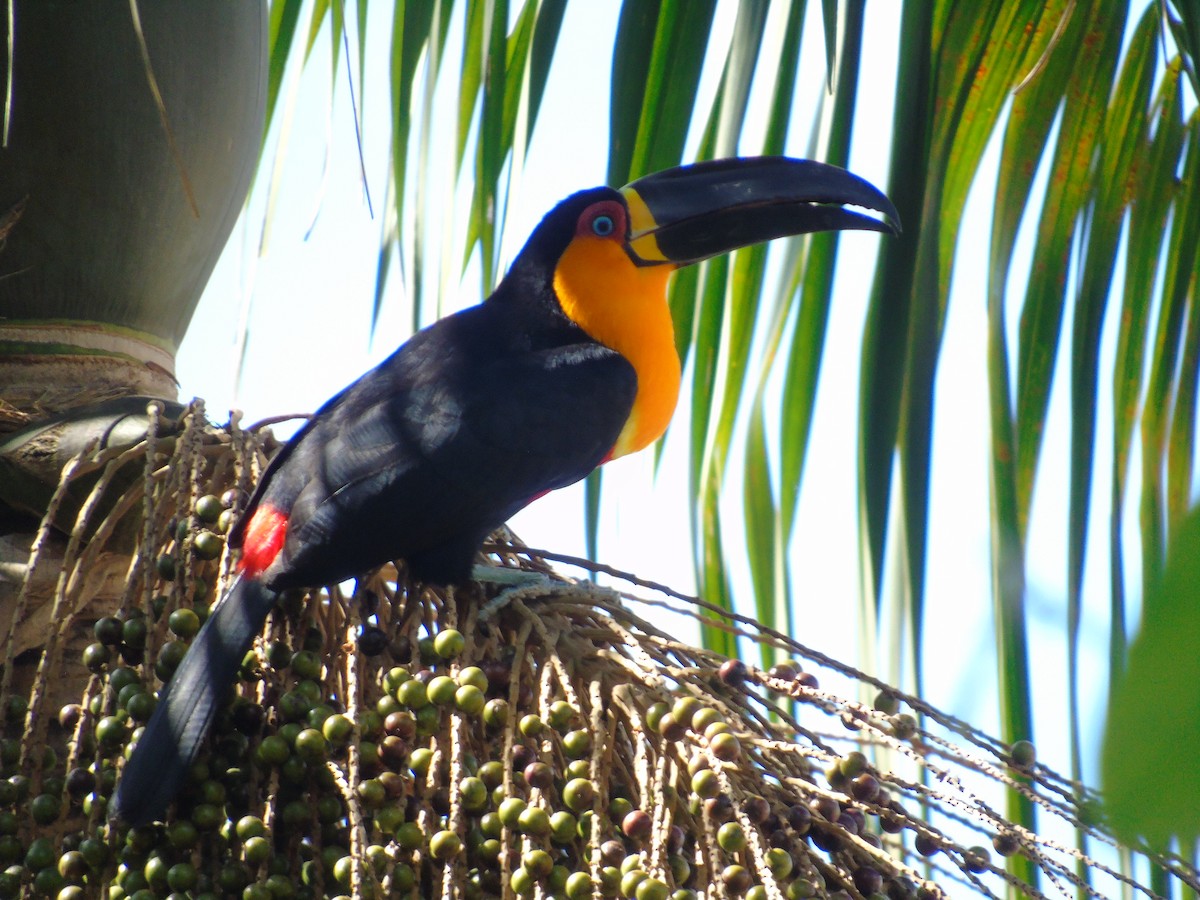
{"points": [[186, 707]]}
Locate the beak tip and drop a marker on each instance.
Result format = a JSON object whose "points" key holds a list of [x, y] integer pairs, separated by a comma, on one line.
{"points": [[889, 219], [880, 203]]}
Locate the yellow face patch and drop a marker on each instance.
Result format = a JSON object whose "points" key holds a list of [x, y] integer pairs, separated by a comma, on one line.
{"points": [[624, 307], [641, 222]]}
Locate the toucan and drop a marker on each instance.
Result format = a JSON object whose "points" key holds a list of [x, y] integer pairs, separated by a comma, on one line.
{"points": [[571, 362]]}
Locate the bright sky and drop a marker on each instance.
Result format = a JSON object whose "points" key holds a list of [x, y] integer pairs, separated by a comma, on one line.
{"points": [[311, 296]]}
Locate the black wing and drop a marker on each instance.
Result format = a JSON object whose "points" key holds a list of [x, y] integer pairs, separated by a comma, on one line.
{"points": [[423, 456]]}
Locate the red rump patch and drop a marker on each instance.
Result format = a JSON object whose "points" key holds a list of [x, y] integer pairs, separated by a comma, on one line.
{"points": [[263, 539]]}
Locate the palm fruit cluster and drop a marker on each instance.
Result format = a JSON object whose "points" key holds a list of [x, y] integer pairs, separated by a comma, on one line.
{"points": [[541, 741]]}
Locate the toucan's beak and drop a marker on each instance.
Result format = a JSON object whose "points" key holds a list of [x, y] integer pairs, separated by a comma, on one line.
{"points": [[690, 213]]}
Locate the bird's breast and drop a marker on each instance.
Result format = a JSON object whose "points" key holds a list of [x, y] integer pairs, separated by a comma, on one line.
{"points": [[624, 307]]}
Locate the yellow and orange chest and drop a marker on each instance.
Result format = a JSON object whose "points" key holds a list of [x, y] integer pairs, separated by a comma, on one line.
{"points": [[624, 307]]}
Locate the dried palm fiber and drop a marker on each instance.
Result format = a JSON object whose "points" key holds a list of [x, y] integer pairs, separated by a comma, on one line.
{"points": [[544, 740]]}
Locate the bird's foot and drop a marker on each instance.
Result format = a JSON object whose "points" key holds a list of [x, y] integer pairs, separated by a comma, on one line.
{"points": [[507, 576], [519, 584]]}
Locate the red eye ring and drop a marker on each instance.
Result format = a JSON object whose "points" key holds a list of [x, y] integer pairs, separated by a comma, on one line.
{"points": [[605, 219]]}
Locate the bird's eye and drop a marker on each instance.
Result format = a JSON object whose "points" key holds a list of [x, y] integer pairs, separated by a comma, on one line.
{"points": [[603, 219], [603, 226]]}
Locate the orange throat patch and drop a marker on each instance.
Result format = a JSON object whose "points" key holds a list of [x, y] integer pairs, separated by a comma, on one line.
{"points": [[624, 307]]}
